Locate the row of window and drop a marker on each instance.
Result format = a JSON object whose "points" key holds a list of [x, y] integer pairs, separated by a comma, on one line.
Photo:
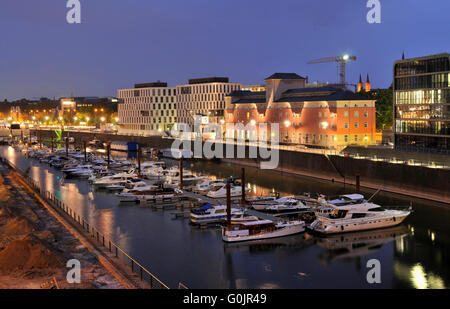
{"points": [[422, 127], [149, 100], [422, 66], [422, 112], [131, 107], [356, 124], [141, 120], [209, 88], [128, 93], [435, 96], [202, 97], [423, 82]]}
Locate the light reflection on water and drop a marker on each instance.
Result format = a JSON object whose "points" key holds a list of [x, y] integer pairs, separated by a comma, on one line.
{"points": [[414, 255]]}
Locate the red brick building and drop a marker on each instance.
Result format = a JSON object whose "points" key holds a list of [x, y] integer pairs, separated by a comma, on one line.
{"points": [[326, 116]]}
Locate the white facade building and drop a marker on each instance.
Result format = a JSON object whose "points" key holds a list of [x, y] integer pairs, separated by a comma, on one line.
{"points": [[147, 109], [203, 97]]}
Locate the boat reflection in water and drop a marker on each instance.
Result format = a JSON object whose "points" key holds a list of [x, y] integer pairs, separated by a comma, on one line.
{"points": [[294, 242], [357, 244]]}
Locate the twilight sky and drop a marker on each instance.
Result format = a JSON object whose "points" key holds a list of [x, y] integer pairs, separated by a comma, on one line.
{"points": [[122, 42]]}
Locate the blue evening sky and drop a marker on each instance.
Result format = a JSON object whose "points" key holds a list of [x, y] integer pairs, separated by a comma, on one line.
{"points": [[122, 42]]}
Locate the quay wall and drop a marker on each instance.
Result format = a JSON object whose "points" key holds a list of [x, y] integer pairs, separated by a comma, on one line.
{"points": [[405, 179]]}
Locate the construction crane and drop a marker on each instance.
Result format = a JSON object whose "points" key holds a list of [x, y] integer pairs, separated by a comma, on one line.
{"points": [[342, 60]]}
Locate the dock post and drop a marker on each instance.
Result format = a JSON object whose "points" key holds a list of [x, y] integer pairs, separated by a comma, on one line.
{"points": [[21, 136], [243, 202], [29, 139], [67, 146], [40, 140], [52, 144], [85, 151], [139, 161], [358, 183], [181, 172], [228, 203], [108, 151]]}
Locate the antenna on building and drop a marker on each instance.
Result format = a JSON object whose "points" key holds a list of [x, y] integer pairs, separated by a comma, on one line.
{"points": [[403, 55]]}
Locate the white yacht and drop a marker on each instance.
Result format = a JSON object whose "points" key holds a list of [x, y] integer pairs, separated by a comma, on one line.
{"points": [[261, 229], [221, 192], [189, 179], [213, 214], [114, 179], [288, 204], [136, 189], [152, 195], [208, 185], [353, 213]]}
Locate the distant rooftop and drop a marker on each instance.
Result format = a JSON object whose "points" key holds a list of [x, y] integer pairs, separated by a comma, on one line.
{"points": [[285, 76], [206, 80], [151, 85], [321, 94]]}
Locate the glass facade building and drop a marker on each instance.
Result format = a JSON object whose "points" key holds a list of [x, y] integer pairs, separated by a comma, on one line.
{"points": [[422, 104]]}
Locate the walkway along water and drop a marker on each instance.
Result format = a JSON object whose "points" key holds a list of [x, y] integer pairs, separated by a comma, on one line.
{"points": [[111, 255]]}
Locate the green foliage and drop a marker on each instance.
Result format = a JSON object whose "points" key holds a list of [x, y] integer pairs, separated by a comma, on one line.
{"points": [[58, 133], [384, 106]]}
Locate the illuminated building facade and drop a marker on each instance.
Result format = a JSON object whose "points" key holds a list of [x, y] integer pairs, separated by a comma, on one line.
{"points": [[328, 117], [204, 96], [422, 104], [149, 108]]}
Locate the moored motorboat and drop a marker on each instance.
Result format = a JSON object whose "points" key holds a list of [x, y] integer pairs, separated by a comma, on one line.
{"points": [[261, 229], [351, 213], [213, 214]]}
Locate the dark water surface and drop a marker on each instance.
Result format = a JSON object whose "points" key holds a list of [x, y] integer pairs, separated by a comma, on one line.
{"points": [[413, 255]]}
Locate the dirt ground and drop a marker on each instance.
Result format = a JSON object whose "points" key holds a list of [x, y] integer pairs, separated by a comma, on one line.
{"points": [[35, 247]]}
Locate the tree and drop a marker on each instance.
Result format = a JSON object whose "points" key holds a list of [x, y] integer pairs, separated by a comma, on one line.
{"points": [[384, 103]]}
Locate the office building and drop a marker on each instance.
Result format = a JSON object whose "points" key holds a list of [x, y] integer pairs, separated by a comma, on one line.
{"points": [[204, 98], [149, 108], [422, 104]]}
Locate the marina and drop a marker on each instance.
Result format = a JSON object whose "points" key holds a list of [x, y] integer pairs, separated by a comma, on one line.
{"points": [[146, 227]]}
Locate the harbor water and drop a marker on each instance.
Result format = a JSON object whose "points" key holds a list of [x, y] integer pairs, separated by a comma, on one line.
{"points": [[415, 254]]}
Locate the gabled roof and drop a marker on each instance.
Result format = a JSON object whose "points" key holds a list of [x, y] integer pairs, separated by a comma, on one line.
{"points": [[321, 94], [249, 101], [285, 76]]}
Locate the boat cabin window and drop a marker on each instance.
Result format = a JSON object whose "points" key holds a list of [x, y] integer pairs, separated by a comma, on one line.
{"points": [[339, 214], [358, 215], [377, 209]]}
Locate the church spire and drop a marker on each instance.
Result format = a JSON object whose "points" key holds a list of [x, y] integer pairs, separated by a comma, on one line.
{"points": [[368, 84], [360, 84]]}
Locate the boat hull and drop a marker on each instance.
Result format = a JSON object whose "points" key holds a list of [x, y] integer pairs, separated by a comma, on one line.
{"points": [[371, 224], [285, 231]]}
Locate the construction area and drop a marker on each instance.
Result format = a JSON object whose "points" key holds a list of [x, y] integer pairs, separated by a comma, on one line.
{"points": [[35, 247]]}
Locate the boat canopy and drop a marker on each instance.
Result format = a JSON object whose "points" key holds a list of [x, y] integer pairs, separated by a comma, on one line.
{"points": [[206, 206], [260, 222]]}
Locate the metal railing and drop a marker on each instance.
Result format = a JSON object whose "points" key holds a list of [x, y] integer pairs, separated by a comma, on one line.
{"points": [[93, 232]]}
